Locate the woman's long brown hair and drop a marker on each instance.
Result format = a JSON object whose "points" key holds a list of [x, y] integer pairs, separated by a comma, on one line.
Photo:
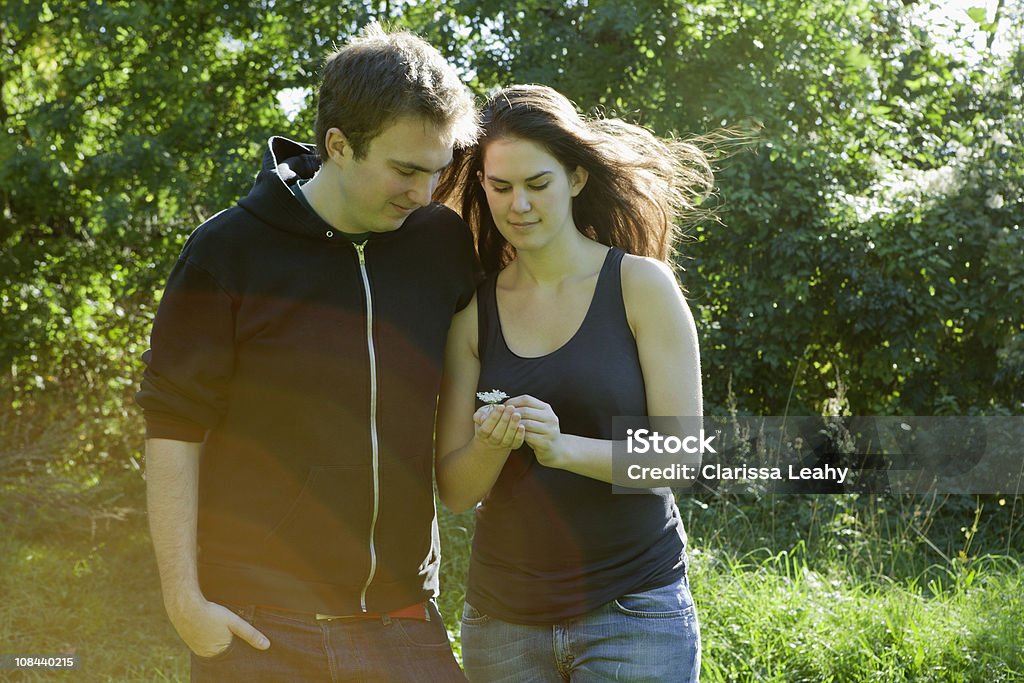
{"points": [[641, 191]]}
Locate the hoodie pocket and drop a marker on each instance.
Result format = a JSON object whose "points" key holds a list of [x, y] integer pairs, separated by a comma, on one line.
{"points": [[325, 533]]}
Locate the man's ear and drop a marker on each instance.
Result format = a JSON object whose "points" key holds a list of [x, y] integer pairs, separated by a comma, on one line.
{"points": [[338, 147], [578, 180]]}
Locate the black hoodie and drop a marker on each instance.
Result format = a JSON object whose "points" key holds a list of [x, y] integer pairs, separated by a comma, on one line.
{"points": [[309, 369]]}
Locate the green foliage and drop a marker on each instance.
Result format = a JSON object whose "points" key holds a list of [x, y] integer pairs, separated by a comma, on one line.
{"points": [[873, 238], [872, 241], [867, 239], [873, 235], [128, 124]]}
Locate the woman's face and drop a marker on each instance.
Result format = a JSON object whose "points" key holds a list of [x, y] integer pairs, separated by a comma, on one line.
{"points": [[529, 192]]}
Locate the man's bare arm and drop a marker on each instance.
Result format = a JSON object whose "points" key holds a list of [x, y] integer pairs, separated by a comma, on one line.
{"points": [[172, 496]]}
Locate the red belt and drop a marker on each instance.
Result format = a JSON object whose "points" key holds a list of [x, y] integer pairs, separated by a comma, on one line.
{"points": [[417, 611]]}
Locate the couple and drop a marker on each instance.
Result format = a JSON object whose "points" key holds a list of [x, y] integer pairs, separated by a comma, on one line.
{"points": [[297, 357]]}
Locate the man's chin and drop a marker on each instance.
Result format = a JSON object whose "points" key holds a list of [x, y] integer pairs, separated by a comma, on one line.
{"points": [[395, 223], [392, 226]]}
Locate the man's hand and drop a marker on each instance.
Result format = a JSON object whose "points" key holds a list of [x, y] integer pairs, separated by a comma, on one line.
{"points": [[207, 628]]}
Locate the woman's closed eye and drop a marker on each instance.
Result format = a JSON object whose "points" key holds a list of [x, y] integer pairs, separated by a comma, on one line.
{"points": [[503, 189]]}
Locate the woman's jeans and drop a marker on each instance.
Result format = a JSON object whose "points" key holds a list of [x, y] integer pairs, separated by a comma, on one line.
{"points": [[651, 636]]}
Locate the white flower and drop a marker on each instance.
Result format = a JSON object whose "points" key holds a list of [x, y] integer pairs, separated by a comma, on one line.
{"points": [[994, 201], [1000, 138], [491, 397]]}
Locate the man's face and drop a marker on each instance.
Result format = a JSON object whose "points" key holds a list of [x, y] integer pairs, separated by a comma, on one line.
{"points": [[397, 176]]}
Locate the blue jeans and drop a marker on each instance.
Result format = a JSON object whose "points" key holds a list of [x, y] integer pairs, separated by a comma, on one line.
{"points": [[651, 636], [304, 649]]}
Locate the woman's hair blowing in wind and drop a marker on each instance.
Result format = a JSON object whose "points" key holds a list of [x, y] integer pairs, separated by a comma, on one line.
{"points": [[641, 191]]}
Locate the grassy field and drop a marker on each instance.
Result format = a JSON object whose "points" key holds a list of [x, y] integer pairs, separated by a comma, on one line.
{"points": [[811, 592], [87, 587]]}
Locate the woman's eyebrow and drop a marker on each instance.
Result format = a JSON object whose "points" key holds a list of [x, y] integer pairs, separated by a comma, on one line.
{"points": [[495, 179]]}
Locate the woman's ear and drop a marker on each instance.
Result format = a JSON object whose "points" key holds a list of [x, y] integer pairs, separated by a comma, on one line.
{"points": [[578, 180], [480, 177], [337, 145]]}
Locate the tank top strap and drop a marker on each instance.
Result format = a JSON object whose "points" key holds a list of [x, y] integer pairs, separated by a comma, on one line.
{"points": [[608, 308], [611, 273]]}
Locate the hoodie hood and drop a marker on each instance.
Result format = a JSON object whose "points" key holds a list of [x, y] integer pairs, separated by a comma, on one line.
{"points": [[271, 199], [292, 160]]}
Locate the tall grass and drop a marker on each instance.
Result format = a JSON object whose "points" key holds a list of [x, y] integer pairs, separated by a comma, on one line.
{"points": [[858, 588], [788, 588], [839, 588], [774, 618]]}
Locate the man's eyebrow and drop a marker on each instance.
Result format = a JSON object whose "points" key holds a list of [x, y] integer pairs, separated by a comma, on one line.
{"points": [[416, 167], [495, 179]]}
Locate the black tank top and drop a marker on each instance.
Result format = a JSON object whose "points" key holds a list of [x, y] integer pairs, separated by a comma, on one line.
{"points": [[551, 544]]}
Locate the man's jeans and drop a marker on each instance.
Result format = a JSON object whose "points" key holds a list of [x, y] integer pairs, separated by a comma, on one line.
{"points": [[304, 649], [647, 637]]}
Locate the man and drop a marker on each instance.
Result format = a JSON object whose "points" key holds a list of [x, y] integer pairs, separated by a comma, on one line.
{"points": [[291, 384]]}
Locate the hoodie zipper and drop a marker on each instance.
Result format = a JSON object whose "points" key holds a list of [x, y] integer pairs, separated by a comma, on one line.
{"points": [[374, 447]]}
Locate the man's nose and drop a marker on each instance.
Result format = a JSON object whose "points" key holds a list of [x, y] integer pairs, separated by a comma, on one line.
{"points": [[423, 190]]}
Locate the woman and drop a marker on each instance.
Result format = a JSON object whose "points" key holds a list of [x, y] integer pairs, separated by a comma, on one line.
{"points": [[579, 320]]}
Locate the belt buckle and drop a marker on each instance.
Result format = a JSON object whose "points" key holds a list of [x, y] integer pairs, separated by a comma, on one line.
{"points": [[333, 617]]}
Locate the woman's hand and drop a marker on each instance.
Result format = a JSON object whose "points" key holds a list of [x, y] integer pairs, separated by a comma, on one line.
{"points": [[543, 434], [498, 427]]}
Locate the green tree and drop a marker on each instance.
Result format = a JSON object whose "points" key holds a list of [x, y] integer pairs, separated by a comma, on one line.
{"points": [[873, 238]]}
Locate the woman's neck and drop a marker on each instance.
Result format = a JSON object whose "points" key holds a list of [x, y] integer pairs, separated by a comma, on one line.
{"points": [[556, 262]]}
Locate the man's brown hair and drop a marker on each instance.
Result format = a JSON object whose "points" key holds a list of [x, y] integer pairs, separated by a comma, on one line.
{"points": [[379, 76]]}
